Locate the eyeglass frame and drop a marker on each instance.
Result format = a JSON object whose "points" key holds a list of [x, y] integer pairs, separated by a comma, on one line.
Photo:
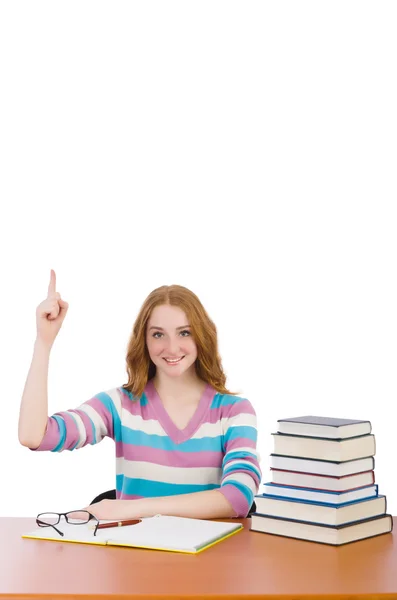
{"points": [[43, 524]]}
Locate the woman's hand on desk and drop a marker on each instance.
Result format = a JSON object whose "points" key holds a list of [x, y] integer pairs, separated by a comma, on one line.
{"points": [[109, 510]]}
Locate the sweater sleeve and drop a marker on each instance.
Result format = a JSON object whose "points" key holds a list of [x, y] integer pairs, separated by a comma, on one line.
{"points": [[241, 470], [88, 424]]}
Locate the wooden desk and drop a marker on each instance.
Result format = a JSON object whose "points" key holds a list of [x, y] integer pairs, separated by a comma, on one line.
{"points": [[247, 566]]}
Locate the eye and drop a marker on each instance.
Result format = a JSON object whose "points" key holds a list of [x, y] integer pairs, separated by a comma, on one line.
{"points": [[157, 333], [185, 331]]}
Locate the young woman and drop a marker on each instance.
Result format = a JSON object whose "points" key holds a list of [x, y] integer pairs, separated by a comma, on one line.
{"points": [[185, 445]]}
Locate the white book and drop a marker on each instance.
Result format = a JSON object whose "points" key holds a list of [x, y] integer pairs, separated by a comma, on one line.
{"points": [[319, 482], [175, 534], [322, 467], [324, 449]]}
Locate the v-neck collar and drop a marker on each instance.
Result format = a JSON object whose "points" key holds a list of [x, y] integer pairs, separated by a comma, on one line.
{"points": [[179, 435]]}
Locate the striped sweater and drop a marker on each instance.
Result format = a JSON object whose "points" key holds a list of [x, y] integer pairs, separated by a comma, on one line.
{"points": [[217, 449]]}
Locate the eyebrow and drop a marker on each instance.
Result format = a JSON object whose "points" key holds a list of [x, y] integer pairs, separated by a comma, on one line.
{"points": [[155, 327]]}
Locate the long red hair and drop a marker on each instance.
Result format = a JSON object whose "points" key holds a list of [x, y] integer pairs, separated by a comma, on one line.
{"points": [[140, 367]]}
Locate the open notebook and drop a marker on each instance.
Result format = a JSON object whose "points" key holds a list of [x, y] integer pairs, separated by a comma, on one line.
{"points": [[175, 534]]}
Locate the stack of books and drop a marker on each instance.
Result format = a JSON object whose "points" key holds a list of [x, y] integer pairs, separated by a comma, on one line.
{"points": [[323, 483]]}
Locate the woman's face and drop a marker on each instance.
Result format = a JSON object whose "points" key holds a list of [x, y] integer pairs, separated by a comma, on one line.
{"points": [[169, 341]]}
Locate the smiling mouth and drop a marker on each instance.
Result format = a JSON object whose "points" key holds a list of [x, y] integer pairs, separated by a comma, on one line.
{"points": [[173, 361]]}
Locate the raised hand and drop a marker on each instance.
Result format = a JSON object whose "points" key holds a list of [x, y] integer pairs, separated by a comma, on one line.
{"points": [[50, 313]]}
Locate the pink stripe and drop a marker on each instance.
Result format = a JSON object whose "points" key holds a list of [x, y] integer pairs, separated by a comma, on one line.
{"points": [[246, 472], [134, 407], [230, 410], [121, 496], [239, 443], [212, 416], [72, 433], [169, 458], [236, 499], [51, 436]]}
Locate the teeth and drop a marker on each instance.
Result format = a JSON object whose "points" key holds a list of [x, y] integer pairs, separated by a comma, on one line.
{"points": [[173, 360]]}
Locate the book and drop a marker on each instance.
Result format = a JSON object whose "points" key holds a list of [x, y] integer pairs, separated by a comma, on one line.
{"points": [[324, 427], [173, 534], [320, 482], [322, 513], [310, 495], [325, 534], [324, 449], [322, 467]]}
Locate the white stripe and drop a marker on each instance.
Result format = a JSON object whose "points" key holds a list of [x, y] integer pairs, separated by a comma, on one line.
{"points": [[80, 428], [115, 395], [243, 478], [252, 452], [165, 474], [212, 430], [96, 418], [137, 423], [245, 419], [238, 462]]}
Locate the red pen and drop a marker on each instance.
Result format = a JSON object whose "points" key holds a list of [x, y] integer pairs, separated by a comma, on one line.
{"points": [[119, 523]]}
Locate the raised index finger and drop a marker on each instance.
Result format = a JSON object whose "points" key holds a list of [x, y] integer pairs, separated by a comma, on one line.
{"points": [[52, 285]]}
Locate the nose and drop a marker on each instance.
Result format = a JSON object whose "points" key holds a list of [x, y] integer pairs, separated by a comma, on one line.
{"points": [[173, 347]]}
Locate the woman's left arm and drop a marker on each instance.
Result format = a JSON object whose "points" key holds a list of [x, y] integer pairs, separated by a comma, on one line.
{"points": [[198, 505]]}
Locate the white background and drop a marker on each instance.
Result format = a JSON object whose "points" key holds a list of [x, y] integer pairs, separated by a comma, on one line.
{"points": [[246, 150]]}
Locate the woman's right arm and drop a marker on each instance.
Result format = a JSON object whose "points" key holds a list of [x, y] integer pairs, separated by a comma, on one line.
{"points": [[34, 405], [87, 424], [33, 414]]}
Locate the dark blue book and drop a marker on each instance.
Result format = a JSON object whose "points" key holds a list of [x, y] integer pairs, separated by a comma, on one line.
{"points": [[336, 535], [324, 427]]}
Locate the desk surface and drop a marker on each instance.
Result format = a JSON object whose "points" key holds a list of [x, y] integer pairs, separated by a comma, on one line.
{"points": [[249, 565]]}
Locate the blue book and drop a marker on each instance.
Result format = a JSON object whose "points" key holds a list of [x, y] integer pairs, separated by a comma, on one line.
{"points": [[318, 496], [321, 512]]}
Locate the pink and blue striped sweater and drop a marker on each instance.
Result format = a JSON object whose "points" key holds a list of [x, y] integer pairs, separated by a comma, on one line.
{"points": [[217, 449]]}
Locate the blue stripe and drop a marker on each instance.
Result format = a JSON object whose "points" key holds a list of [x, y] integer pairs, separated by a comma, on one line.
{"points": [[94, 435], [149, 488], [109, 405], [225, 400], [119, 482], [248, 494], [244, 466], [62, 433], [163, 442], [143, 400], [238, 454], [241, 431]]}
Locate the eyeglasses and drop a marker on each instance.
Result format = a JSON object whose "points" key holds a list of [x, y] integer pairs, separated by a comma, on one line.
{"points": [[73, 517]]}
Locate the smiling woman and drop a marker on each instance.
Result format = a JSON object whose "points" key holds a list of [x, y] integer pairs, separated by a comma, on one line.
{"points": [[185, 444], [171, 345]]}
